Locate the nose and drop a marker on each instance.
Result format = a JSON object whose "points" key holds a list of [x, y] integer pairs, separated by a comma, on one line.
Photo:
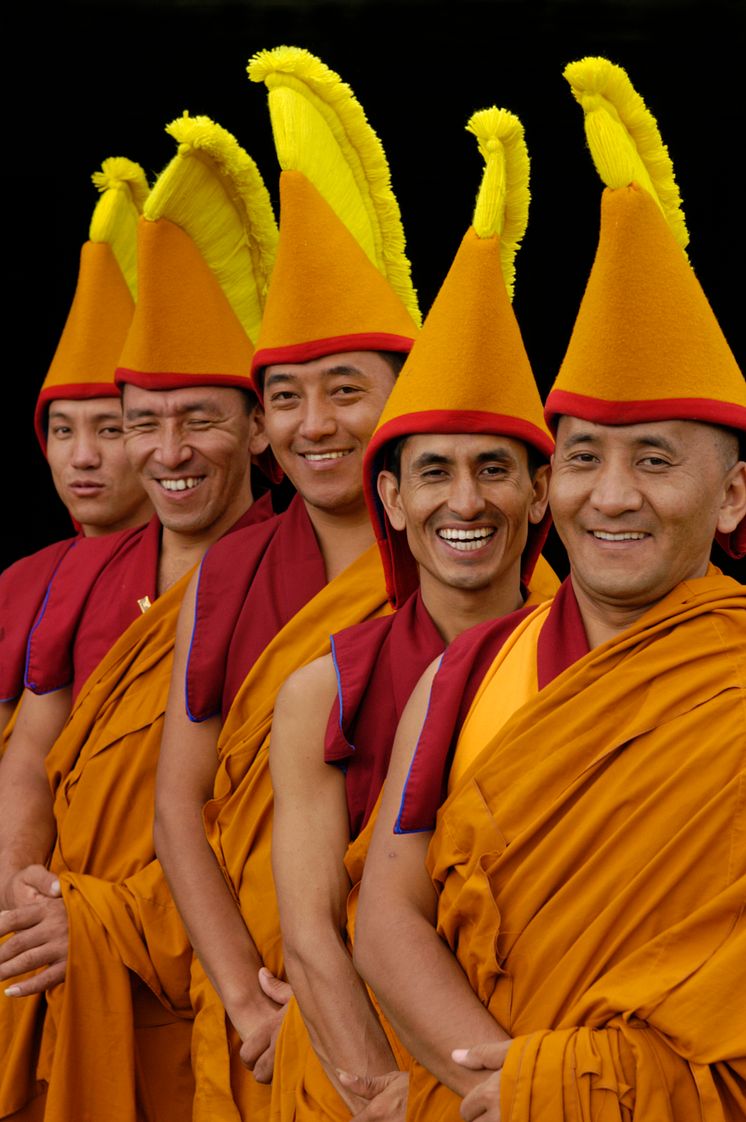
{"points": [[172, 449], [615, 490], [85, 452], [318, 419], [465, 499]]}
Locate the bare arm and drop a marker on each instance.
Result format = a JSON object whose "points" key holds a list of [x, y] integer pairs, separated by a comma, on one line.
{"points": [[186, 775], [310, 836], [27, 826], [7, 708], [398, 951]]}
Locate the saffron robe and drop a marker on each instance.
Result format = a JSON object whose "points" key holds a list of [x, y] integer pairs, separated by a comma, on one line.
{"points": [[238, 825], [591, 875], [127, 945], [378, 664]]}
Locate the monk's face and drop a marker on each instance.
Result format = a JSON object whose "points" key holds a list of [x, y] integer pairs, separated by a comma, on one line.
{"points": [[90, 469], [465, 501], [637, 506], [319, 417], [191, 448]]}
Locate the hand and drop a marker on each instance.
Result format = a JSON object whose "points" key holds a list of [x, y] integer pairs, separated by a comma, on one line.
{"points": [[386, 1095], [258, 1045], [483, 1102], [39, 939], [29, 884]]}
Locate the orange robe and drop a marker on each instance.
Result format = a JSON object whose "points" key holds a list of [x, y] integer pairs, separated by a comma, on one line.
{"points": [[378, 664], [122, 1016], [591, 871], [238, 822]]}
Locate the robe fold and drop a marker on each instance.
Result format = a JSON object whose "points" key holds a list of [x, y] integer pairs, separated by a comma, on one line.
{"points": [[378, 664], [114, 1038], [238, 824], [591, 872]]}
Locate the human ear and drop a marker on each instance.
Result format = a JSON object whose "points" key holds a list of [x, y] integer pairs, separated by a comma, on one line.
{"points": [[733, 506], [389, 494], [258, 439], [540, 484]]}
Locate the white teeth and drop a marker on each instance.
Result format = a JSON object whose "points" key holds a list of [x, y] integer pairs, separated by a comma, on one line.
{"points": [[466, 535], [180, 484], [466, 541], [314, 456], [625, 537]]}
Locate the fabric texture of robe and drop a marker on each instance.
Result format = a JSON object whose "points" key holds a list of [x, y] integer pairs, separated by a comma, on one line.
{"points": [[591, 873], [123, 1011], [378, 663], [238, 823]]}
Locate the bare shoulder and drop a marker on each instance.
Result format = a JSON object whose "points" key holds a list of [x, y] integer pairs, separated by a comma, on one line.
{"points": [[306, 686]]}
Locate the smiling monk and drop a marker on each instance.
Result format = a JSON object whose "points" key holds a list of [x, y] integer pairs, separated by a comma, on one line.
{"points": [[567, 938], [78, 417], [456, 476], [95, 919], [341, 314]]}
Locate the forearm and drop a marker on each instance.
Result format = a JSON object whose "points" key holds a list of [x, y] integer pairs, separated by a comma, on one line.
{"points": [[209, 911], [423, 992], [27, 826], [343, 1025]]}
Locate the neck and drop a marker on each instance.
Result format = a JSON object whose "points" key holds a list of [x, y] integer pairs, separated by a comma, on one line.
{"points": [[180, 552], [143, 514], [342, 538], [455, 610], [605, 621]]}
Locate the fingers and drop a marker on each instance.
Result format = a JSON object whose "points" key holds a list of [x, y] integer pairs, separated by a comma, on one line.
{"points": [[52, 976], [483, 1103], [39, 878], [264, 1066], [273, 987], [482, 1057]]}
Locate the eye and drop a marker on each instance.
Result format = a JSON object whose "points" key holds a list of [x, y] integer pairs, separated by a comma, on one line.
{"points": [[61, 430], [111, 431], [582, 458], [494, 471], [347, 391], [655, 461], [282, 397]]}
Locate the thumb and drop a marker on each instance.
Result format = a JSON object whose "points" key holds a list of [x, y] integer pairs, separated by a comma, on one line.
{"points": [[274, 988], [483, 1057], [366, 1086], [40, 878]]}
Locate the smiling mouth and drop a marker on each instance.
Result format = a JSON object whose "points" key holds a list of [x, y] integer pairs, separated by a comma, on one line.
{"points": [[321, 457], [187, 484], [467, 541], [622, 536]]}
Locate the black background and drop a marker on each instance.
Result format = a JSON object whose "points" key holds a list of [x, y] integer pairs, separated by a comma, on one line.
{"points": [[87, 81]]}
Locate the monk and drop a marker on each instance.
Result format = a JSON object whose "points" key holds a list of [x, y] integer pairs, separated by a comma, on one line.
{"points": [[460, 522], [334, 335], [79, 416], [566, 937], [96, 912]]}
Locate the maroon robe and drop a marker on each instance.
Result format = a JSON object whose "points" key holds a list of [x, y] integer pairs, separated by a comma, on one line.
{"points": [[23, 587], [250, 586], [95, 595], [562, 642]]}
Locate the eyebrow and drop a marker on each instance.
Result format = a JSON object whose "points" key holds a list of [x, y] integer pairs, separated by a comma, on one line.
{"points": [[204, 406], [644, 441], [344, 370], [430, 459], [60, 415]]}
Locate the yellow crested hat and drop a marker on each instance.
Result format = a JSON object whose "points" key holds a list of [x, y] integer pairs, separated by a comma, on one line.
{"points": [[646, 345], [104, 301], [341, 280], [206, 244], [468, 371]]}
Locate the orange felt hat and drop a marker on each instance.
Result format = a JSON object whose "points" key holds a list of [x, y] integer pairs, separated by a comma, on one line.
{"points": [[341, 281], [646, 345], [206, 243], [101, 312], [468, 371]]}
